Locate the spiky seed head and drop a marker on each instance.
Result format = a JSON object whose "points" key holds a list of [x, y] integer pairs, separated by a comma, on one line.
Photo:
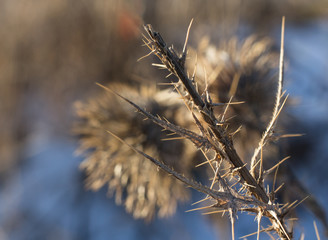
{"points": [[246, 71], [136, 182]]}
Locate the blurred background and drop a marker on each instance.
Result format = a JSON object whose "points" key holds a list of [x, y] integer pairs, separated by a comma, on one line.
{"points": [[53, 52]]}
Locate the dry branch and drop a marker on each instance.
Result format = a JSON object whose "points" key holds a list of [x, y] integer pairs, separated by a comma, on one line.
{"points": [[175, 65], [172, 62]]}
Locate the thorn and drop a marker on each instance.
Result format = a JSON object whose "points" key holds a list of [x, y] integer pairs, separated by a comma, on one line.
{"points": [[184, 53], [274, 185], [224, 104], [248, 185], [259, 217], [226, 109], [279, 187], [202, 200], [139, 59], [161, 66], [216, 211], [200, 208], [169, 134], [277, 165], [232, 219], [295, 204], [316, 230], [203, 163], [166, 84], [237, 131], [209, 162], [171, 139], [292, 135], [169, 75]]}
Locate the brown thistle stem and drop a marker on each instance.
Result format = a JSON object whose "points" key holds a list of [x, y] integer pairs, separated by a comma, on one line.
{"points": [[170, 59], [176, 66]]}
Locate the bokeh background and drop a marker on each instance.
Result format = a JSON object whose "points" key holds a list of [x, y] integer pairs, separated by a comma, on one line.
{"points": [[53, 52]]}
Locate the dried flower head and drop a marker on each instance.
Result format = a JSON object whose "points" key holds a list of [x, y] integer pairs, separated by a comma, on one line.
{"points": [[137, 183], [230, 196], [247, 72], [242, 72]]}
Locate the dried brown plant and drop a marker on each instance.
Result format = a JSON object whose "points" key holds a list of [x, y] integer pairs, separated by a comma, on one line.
{"points": [[245, 71], [234, 93], [232, 190], [137, 183]]}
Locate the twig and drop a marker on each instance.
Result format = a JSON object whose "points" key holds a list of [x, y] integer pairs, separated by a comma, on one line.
{"points": [[170, 59], [277, 107], [217, 195], [198, 140], [215, 131]]}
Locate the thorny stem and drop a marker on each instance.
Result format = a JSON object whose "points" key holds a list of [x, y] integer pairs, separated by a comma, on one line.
{"points": [[173, 63], [176, 66], [222, 196], [170, 59]]}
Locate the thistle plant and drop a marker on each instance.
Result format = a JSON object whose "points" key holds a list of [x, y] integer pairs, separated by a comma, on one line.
{"points": [[246, 72], [233, 190], [238, 182], [134, 181]]}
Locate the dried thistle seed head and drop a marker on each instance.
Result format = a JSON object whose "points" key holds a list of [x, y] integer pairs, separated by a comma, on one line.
{"points": [[247, 72], [143, 189]]}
